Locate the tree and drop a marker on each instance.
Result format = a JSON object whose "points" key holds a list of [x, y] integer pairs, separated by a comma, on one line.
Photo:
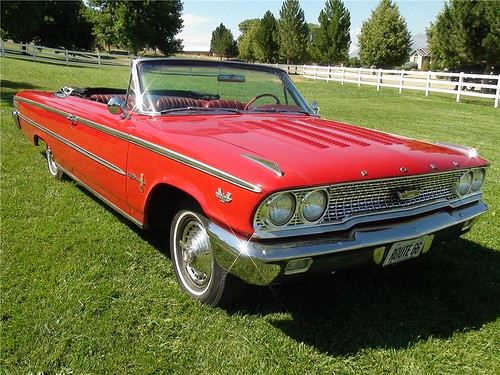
{"points": [[68, 16], [245, 25], [223, 43], [385, 40], [466, 33], [266, 43], [247, 42], [139, 24], [332, 39], [293, 32], [14, 20], [48, 23]]}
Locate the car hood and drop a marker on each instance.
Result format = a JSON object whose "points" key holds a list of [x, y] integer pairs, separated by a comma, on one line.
{"points": [[307, 150]]}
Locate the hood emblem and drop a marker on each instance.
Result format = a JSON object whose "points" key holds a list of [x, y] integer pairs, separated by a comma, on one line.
{"points": [[409, 194], [223, 197]]}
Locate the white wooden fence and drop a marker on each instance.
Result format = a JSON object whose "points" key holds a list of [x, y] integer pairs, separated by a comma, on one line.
{"points": [[62, 56], [457, 84]]}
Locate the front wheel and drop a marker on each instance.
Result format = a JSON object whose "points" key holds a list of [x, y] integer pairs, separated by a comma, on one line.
{"points": [[195, 266]]}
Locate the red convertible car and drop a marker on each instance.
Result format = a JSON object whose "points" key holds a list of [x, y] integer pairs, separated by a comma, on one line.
{"points": [[250, 183]]}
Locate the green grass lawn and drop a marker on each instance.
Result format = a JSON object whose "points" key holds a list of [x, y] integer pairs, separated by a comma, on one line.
{"points": [[85, 291]]}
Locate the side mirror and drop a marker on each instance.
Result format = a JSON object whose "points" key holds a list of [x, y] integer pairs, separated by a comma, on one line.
{"points": [[315, 107], [116, 106]]}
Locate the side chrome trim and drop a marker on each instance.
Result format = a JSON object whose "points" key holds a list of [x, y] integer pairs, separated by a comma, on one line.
{"points": [[75, 147], [186, 160], [104, 200]]}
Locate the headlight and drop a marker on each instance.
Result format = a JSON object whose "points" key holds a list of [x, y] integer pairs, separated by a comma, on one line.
{"points": [[464, 183], [314, 205], [477, 179], [281, 209]]}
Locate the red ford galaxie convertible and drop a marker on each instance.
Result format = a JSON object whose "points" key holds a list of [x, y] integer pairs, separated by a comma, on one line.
{"points": [[252, 185]]}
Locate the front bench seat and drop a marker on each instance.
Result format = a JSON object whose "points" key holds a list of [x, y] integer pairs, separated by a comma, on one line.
{"points": [[172, 102], [221, 103]]}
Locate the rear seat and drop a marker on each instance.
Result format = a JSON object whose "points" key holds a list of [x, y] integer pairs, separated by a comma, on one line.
{"points": [[104, 98]]}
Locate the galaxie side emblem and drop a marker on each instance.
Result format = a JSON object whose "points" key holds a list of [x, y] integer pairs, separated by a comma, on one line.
{"points": [[140, 180], [223, 197], [409, 194]]}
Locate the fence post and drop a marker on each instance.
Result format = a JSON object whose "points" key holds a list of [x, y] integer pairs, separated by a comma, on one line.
{"points": [[3, 49], [34, 52], [497, 96], [359, 77], [315, 72], [459, 88], [67, 57], [428, 83], [379, 78], [401, 81], [342, 77], [329, 73], [98, 58], [304, 70]]}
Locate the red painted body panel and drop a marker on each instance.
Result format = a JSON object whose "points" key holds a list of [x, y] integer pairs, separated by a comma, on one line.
{"points": [[310, 151]]}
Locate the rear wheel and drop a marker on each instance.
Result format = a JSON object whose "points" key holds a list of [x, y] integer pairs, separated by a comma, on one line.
{"points": [[196, 268], [54, 169]]}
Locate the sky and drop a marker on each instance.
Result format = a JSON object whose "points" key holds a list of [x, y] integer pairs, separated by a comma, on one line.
{"points": [[201, 17]]}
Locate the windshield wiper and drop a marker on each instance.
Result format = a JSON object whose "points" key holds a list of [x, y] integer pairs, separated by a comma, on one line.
{"points": [[202, 109]]}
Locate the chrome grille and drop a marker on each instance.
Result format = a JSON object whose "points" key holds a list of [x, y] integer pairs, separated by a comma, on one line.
{"points": [[355, 199]]}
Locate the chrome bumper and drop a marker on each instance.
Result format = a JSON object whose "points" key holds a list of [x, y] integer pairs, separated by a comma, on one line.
{"points": [[262, 263]]}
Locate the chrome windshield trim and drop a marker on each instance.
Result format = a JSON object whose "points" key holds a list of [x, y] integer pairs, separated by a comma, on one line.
{"points": [[75, 147], [186, 160]]}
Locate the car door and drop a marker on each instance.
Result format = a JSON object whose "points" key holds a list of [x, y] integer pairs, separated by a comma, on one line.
{"points": [[103, 141]]}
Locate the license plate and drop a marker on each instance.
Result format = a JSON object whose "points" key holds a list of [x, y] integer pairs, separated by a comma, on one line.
{"points": [[405, 250]]}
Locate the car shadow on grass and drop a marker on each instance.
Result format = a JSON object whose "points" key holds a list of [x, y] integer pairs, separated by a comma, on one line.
{"points": [[11, 88], [453, 289]]}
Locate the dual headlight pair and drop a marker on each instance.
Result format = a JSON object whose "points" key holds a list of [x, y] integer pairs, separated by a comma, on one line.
{"points": [[470, 182], [281, 208]]}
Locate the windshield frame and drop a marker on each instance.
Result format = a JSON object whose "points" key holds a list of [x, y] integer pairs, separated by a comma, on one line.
{"points": [[140, 93]]}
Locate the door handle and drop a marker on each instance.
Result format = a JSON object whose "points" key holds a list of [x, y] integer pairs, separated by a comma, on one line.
{"points": [[73, 119]]}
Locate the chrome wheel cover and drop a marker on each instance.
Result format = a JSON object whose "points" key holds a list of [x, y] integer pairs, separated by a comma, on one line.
{"points": [[53, 168], [193, 255]]}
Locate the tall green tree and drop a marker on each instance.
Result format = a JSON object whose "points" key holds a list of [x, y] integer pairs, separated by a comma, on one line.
{"points": [[385, 40], [139, 24], [267, 46], [247, 46], [222, 43], [332, 39], [293, 32], [466, 33], [70, 17], [48, 23], [14, 16]]}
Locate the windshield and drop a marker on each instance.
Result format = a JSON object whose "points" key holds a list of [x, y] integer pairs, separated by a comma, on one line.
{"points": [[173, 86]]}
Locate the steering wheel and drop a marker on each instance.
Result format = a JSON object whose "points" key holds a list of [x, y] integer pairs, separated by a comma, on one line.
{"points": [[258, 97]]}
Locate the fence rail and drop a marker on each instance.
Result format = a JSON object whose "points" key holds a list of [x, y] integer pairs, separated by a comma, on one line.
{"points": [[457, 84], [62, 56]]}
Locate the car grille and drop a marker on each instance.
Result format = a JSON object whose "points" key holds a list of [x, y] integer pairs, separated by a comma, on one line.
{"points": [[370, 197]]}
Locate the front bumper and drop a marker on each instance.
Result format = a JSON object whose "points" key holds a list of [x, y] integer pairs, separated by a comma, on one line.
{"points": [[262, 263]]}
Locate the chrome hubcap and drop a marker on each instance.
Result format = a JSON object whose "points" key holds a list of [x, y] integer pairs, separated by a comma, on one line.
{"points": [[195, 255], [53, 168]]}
